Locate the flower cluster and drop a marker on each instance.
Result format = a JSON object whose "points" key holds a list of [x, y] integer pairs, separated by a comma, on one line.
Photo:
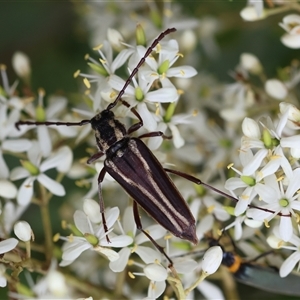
{"points": [[241, 137]]}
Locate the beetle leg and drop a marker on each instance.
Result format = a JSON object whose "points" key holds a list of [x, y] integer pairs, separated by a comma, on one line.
{"points": [[139, 226], [154, 134], [137, 125], [101, 202], [200, 182], [94, 157]]}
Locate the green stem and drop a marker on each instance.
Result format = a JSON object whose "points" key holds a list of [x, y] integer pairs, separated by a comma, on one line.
{"points": [[196, 283], [44, 206], [281, 9]]}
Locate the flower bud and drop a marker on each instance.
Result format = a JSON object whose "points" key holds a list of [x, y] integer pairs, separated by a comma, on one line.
{"points": [[251, 63], [23, 231], [211, 260], [92, 210], [140, 36], [21, 65], [251, 129], [115, 38], [250, 14], [276, 89]]}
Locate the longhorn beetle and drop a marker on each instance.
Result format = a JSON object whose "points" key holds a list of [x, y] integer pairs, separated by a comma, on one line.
{"points": [[136, 169]]}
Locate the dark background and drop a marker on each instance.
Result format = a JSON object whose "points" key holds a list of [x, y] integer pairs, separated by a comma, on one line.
{"points": [[52, 35]]}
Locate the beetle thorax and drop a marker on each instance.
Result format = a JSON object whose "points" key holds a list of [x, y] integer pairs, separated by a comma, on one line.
{"points": [[107, 129]]}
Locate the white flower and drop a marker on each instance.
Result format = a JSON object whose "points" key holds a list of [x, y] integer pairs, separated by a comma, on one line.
{"points": [[93, 238], [103, 70], [10, 214], [8, 142], [238, 97], [276, 89], [162, 69], [249, 178], [272, 139], [139, 94], [291, 24], [293, 115], [280, 200], [147, 254], [172, 124], [52, 285], [276, 242], [34, 169], [56, 105]]}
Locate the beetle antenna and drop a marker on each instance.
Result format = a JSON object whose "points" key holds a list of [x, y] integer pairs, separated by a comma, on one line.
{"points": [[135, 70], [47, 123]]}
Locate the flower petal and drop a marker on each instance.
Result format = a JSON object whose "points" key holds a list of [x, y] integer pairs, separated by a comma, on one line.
{"points": [[44, 140], [120, 264], [182, 71], [25, 191], [18, 145], [289, 264], [7, 245], [7, 189], [54, 187]]}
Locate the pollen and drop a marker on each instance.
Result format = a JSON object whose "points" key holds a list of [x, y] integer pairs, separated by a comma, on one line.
{"points": [[158, 48], [76, 74], [112, 95], [219, 232], [133, 248], [167, 236], [179, 54], [87, 56], [56, 237], [244, 197], [168, 13], [180, 92], [64, 224], [280, 178], [182, 73], [195, 113], [280, 244], [71, 238], [41, 92], [157, 110], [96, 48], [86, 83], [131, 275], [2, 67], [130, 262], [210, 209], [230, 166], [103, 61], [266, 222]]}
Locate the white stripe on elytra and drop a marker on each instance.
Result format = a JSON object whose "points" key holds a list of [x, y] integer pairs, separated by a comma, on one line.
{"points": [[166, 202]]}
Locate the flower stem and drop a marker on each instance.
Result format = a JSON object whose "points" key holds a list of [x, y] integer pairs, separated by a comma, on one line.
{"points": [[44, 206]]}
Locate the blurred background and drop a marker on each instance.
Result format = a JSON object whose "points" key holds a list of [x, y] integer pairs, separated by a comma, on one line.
{"points": [[54, 36]]}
